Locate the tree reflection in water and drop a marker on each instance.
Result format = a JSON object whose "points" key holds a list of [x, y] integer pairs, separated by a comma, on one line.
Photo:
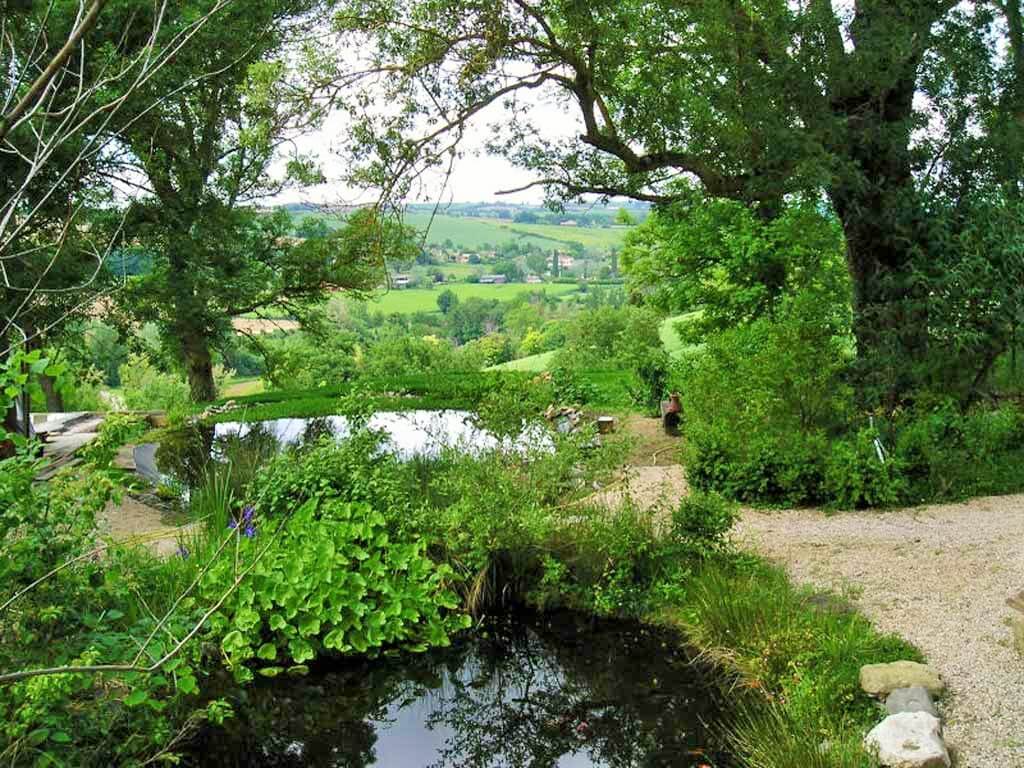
{"points": [[558, 691]]}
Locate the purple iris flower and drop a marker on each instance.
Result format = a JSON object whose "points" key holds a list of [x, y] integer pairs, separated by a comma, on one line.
{"points": [[245, 522]]}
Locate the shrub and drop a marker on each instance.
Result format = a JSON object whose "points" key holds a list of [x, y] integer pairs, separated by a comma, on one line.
{"points": [[353, 470], [702, 522], [146, 388], [950, 454], [83, 611], [857, 476], [303, 361], [331, 580]]}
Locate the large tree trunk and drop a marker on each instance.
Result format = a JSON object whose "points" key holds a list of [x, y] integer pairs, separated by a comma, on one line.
{"points": [[875, 197], [890, 317], [199, 367]]}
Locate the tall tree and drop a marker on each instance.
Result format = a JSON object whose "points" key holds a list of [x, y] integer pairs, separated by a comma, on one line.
{"points": [[65, 69], [202, 160], [753, 100]]}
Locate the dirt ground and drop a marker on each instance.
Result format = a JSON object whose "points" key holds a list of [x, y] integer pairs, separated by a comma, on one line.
{"points": [[938, 576], [652, 477], [134, 520]]}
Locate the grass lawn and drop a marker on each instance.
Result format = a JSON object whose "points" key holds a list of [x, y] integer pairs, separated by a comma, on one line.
{"points": [[409, 300], [674, 345], [242, 386], [533, 363]]}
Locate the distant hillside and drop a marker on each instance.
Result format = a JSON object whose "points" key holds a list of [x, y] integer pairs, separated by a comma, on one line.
{"points": [[482, 233]]}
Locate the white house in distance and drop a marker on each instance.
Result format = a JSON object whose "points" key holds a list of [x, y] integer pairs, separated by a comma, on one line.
{"points": [[565, 260], [534, 279], [493, 280], [401, 281]]}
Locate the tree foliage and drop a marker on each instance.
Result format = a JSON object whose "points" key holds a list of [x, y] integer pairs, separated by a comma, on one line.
{"points": [[881, 107], [205, 156]]}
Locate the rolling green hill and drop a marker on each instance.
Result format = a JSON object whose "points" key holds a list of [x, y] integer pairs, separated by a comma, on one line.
{"points": [[409, 300], [474, 233]]}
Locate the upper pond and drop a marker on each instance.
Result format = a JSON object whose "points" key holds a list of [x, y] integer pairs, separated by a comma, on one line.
{"points": [[407, 434], [560, 690]]}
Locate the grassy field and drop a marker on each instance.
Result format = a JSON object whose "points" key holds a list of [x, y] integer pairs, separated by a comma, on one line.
{"points": [[670, 336], [596, 238], [541, 362], [411, 300], [476, 233], [532, 364]]}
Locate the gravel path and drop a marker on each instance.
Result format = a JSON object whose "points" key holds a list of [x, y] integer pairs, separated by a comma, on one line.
{"points": [[938, 576]]}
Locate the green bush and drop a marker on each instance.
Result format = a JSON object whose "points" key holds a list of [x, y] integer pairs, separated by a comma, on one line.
{"points": [[702, 522], [950, 454], [857, 476], [332, 579], [86, 609], [146, 388], [354, 470]]}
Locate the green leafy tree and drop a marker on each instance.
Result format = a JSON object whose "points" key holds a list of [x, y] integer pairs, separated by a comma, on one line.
{"points": [[752, 101], [536, 263], [205, 154], [720, 257], [65, 69], [446, 300]]}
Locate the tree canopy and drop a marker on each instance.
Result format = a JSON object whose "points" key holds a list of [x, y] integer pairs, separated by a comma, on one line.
{"points": [[899, 114]]}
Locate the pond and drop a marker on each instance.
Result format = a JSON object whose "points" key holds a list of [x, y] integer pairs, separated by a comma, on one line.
{"points": [[559, 690], [408, 434]]}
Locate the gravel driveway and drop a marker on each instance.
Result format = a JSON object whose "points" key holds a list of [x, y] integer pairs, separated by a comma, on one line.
{"points": [[938, 576]]}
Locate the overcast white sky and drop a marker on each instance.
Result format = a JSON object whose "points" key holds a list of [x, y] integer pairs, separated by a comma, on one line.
{"points": [[476, 176]]}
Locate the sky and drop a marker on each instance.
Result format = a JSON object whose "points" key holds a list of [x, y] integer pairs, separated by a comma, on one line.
{"points": [[476, 176]]}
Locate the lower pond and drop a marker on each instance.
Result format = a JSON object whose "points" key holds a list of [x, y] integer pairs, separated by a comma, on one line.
{"points": [[559, 690]]}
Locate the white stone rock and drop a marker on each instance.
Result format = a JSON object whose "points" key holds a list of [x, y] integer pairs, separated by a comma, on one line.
{"points": [[909, 740]]}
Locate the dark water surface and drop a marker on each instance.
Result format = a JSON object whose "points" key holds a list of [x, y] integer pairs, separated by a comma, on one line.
{"points": [[559, 690]]}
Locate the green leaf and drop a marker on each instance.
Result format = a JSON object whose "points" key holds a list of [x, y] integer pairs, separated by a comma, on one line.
{"points": [[232, 642], [60, 737], [267, 651], [271, 671], [38, 736], [136, 697], [309, 627], [187, 684], [300, 650]]}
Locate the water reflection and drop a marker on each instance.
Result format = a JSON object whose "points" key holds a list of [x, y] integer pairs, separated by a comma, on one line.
{"points": [[408, 433], [554, 693], [184, 454]]}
